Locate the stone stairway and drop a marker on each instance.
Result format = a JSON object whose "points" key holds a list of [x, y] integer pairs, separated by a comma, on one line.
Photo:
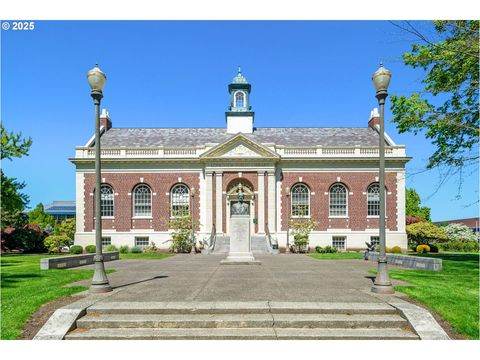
{"points": [[241, 320], [222, 245], [259, 245]]}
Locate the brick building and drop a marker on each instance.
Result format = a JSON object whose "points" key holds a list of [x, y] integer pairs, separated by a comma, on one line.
{"points": [[329, 174]]}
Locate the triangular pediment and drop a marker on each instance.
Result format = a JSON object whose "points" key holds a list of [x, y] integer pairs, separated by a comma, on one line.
{"points": [[240, 147]]}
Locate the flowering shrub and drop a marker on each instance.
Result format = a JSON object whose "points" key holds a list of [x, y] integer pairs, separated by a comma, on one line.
{"points": [[301, 229], [459, 232], [414, 219]]}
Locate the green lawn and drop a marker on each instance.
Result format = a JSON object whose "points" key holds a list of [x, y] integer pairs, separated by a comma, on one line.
{"points": [[338, 256], [452, 292], [24, 288], [144, 256]]}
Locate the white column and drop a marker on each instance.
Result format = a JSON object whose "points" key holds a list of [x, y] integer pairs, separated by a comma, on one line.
{"points": [[208, 201], [80, 201], [202, 203], [401, 201], [261, 202], [219, 202], [272, 202]]}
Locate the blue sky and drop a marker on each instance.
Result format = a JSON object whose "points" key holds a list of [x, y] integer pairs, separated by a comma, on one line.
{"points": [[175, 74]]}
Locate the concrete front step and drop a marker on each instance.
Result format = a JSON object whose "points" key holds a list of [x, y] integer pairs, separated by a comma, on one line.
{"points": [[245, 307], [240, 334], [241, 321]]}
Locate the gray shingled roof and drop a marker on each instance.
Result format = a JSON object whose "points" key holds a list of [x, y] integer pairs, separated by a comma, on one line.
{"points": [[152, 137]]}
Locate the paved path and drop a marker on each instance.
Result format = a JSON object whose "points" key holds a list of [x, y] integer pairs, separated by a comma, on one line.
{"points": [[280, 278]]}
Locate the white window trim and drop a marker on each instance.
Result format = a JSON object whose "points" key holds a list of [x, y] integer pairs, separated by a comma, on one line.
{"points": [[346, 202], [309, 202], [133, 202], [235, 98]]}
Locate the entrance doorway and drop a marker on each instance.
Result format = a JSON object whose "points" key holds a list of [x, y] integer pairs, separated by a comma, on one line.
{"points": [[232, 198]]}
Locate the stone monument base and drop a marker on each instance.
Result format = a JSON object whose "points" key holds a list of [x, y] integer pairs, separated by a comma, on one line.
{"points": [[240, 250], [240, 258]]}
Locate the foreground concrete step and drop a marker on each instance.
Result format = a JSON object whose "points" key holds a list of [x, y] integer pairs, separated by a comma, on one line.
{"points": [[240, 321], [247, 307], [239, 334]]}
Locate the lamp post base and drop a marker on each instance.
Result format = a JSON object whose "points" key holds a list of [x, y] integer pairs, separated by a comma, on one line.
{"points": [[99, 288], [383, 289], [382, 284]]}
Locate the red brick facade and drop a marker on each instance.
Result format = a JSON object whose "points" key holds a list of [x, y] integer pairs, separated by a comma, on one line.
{"points": [[319, 184], [357, 184], [123, 185]]}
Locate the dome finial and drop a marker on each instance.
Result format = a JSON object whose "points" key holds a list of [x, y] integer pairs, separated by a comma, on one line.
{"points": [[239, 69]]}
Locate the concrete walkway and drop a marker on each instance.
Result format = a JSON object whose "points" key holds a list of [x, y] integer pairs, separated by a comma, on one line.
{"points": [[201, 278]]}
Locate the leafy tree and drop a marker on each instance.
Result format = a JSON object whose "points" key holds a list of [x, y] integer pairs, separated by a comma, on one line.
{"points": [[447, 107], [424, 232], [13, 145], [459, 232], [412, 205], [67, 228], [40, 217], [13, 201]]}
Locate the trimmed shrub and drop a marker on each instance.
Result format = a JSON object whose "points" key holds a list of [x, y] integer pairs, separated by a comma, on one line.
{"points": [[91, 249], [150, 249], [467, 246], [424, 232], [111, 248], [396, 250], [136, 250], [326, 250], [124, 249], [413, 219], [433, 248], [76, 249], [55, 243], [387, 249], [423, 249]]}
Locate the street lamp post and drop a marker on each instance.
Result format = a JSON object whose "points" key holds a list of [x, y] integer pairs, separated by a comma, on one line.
{"points": [[382, 284], [192, 193], [287, 191], [96, 80]]}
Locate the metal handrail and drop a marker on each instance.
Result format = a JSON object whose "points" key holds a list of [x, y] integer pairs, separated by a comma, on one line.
{"points": [[273, 245], [213, 238]]}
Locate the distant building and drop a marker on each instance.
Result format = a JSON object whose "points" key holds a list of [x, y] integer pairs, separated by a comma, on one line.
{"points": [[61, 210], [472, 223]]}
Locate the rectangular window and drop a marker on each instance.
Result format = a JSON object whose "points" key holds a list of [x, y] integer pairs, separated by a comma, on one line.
{"points": [[339, 242], [141, 241], [375, 240], [106, 240]]}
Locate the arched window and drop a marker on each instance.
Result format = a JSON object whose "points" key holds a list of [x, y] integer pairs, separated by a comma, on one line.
{"points": [[180, 200], [239, 99], [338, 200], [300, 200], [142, 201], [373, 200], [106, 200]]}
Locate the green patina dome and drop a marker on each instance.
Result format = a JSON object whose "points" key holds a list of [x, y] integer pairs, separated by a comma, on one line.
{"points": [[239, 79]]}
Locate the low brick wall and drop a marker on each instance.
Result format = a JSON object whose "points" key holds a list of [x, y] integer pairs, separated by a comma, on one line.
{"points": [[412, 262], [70, 261]]}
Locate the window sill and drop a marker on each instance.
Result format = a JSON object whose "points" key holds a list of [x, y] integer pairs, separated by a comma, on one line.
{"points": [[300, 217], [142, 217], [375, 217], [106, 218], [339, 217]]}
